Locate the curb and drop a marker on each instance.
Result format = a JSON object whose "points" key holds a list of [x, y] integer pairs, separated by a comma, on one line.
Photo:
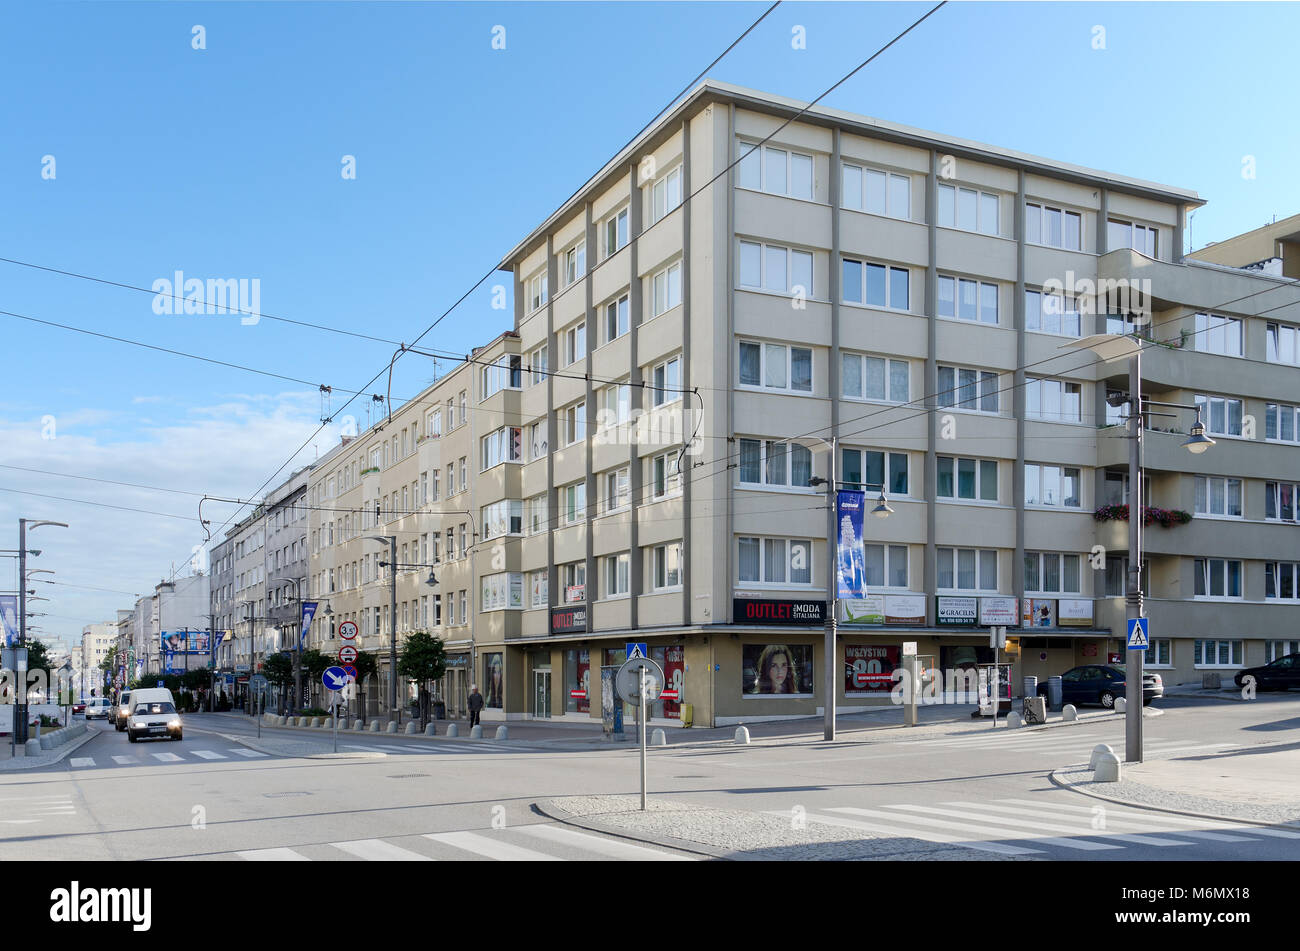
{"points": [[252, 744], [561, 815], [67, 749]]}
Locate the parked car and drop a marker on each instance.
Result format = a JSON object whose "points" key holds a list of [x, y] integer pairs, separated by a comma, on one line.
{"points": [[99, 708], [1278, 675], [1102, 683], [153, 718]]}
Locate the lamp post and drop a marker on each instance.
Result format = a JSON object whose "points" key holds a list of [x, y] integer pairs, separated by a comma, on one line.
{"points": [[158, 591], [391, 541], [20, 709]]}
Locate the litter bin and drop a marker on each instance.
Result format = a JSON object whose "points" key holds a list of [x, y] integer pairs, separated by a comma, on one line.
{"points": [[1054, 693], [688, 714], [1031, 686]]}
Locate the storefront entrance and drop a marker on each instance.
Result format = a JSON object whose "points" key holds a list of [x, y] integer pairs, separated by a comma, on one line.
{"points": [[541, 693], [455, 693]]}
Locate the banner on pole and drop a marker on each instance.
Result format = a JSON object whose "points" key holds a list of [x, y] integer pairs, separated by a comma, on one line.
{"points": [[850, 558], [9, 617], [308, 612]]}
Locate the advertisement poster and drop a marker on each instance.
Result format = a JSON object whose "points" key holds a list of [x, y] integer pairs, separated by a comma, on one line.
{"points": [[850, 558], [904, 609], [869, 668], [999, 611], [584, 680], [1074, 612], [9, 617], [1039, 612], [777, 669], [867, 610], [674, 678], [494, 677], [768, 611], [611, 711], [959, 612]]}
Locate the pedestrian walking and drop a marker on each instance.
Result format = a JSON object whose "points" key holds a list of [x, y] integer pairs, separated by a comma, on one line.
{"points": [[475, 704]]}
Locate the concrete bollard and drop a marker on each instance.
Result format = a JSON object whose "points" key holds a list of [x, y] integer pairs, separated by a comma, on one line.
{"points": [[503, 733], [658, 738], [46, 741], [742, 736], [1068, 712], [358, 724], [412, 728], [376, 725], [33, 747], [315, 723], [1013, 720], [453, 729], [430, 730], [1120, 704], [1097, 752], [476, 732], [1108, 770], [392, 727]]}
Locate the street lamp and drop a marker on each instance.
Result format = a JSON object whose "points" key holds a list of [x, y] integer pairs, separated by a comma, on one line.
{"points": [[391, 541], [1111, 347], [20, 710]]}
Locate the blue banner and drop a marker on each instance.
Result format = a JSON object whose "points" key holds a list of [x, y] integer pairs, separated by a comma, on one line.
{"points": [[308, 612], [850, 558], [9, 617]]}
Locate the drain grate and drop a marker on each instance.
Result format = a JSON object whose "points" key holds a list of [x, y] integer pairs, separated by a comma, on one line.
{"points": [[282, 795]]}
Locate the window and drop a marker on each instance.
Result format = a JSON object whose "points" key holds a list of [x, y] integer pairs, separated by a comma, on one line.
{"points": [[1218, 496], [1054, 227], [574, 499], [774, 170], [501, 375], [433, 424], [538, 589], [775, 561], [1160, 653], [775, 366], [1217, 578], [464, 481], [864, 377], [464, 606], [1217, 334], [1124, 234], [768, 462], [970, 389], [538, 365], [1217, 654], [615, 232], [1282, 501], [537, 440], [1275, 649], [666, 566], [1282, 581], [504, 445], [1052, 313], [616, 318], [616, 575], [1054, 400], [967, 569], [974, 479], [1051, 485], [876, 285], [1281, 344], [775, 268], [574, 342], [1281, 422], [537, 515], [451, 484], [574, 423], [575, 263], [615, 405], [502, 518], [667, 378], [665, 479], [1051, 573], [967, 209], [667, 290], [876, 192], [618, 494], [965, 299], [1222, 416], [872, 469], [886, 566], [666, 194], [537, 293], [574, 578]]}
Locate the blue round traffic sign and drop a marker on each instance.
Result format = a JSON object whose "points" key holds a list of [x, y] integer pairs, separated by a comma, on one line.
{"points": [[350, 670], [334, 678]]}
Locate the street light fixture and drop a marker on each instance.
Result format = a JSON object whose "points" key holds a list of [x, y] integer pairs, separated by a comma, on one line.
{"points": [[20, 710]]}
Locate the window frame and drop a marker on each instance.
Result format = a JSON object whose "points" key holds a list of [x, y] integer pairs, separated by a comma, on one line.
{"points": [[864, 171], [669, 179], [1208, 326], [957, 281], [659, 566], [887, 462], [980, 209], [747, 152], [864, 271], [621, 216], [1041, 573], [1036, 384], [787, 561], [763, 354], [667, 273], [980, 480], [979, 555], [790, 281], [764, 459], [986, 384], [1062, 471], [1236, 653], [1040, 229], [1207, 482], [1202, 579]]}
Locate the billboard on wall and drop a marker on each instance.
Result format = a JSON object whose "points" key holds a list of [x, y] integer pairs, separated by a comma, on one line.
{"points": [[869, 668], [904, 609], [494, 689], [777, 670], [865, 610], [1039, 612], [999, 611], [769, 611], [1074, 612], [957, 612]]}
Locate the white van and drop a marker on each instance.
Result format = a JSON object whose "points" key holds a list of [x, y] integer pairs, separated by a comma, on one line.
{"points": [[153, 713], [123, 708]]}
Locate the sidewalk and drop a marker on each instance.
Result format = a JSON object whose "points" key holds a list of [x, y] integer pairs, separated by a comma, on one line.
{"points": [[1227, 692], [13, 764], [1253, 783]]}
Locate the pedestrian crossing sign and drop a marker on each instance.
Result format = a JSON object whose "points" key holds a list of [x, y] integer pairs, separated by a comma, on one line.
{"points": [[637, 649], [1137, 634]]}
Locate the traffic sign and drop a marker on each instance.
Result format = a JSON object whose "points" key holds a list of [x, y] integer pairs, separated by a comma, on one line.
{"points": [[628, 680], [578, 694], [673, 695], [334, 678], [348, 630], [636, 649], [350, 670], [1138, 634], [347, 654], [258, 683]]}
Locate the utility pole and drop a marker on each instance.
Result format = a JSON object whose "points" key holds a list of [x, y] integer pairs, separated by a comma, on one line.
{"points": [[20, 708], [1133, 675], [391, 540]]}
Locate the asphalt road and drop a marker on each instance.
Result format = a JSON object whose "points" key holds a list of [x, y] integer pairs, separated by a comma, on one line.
{"points": [[208, 797]]}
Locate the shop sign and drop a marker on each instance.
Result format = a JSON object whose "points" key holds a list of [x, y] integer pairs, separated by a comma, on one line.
{"points": [[869, 668], [867, 610], [1074, 612], [569, 620], [904, 609], [766, 611], [458, 660], [674, 666], [999, 611], [956, 611], [1039, 612]]}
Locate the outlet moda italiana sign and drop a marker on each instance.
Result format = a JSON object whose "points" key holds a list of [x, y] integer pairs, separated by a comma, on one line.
{"points": [[773, 611]]}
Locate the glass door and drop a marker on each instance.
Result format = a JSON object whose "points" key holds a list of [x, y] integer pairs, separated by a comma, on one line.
{"points": [[541, 693]]}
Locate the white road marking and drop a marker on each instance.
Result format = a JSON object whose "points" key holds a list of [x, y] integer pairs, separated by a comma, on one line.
{"points": [[166, 757], [942, 838], [124, 760], [1078, 825], [967, 828], [80, 761], [272, 855], [247, 752], [207, 754], [490, 848], [375, 850], [592, 843]]}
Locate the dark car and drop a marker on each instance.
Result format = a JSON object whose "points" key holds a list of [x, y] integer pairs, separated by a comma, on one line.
{"points": [[1102, 683], [1279, 675]]}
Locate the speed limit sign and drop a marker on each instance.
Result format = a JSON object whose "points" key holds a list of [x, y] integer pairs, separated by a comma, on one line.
{"points": [[348, 630]]}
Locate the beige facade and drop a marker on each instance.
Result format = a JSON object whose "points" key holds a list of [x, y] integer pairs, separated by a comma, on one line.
{"points": [[639, 444]]}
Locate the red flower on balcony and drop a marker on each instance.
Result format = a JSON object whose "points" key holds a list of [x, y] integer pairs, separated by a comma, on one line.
{"points": [[1166, 518]]}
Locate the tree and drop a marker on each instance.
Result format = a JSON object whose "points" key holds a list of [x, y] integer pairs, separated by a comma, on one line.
{"points": [[278, 670], [424, 659], [367, 666], [313, 664]]}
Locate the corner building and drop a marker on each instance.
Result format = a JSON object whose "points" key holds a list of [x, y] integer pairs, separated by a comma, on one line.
{"points": [[640, 444]]}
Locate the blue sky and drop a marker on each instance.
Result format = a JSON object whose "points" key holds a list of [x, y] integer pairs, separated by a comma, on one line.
{"points": [[225, 163]]}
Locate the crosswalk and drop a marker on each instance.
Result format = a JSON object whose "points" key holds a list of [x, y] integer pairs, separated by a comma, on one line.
{"points": [[1064, 745], [29, 810], [424, 747], [146, 758], [530, 843], [1040, 827]]}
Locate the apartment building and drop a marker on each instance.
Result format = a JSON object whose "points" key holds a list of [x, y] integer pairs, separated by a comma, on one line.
{"points": [[96, 641], [648, 445]]}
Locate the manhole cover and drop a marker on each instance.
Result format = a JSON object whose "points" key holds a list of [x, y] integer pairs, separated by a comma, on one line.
{"points": [[281, 795], [408, 776]]}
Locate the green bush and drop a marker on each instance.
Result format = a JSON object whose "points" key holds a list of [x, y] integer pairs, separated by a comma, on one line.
{"points": [[315, 712]]}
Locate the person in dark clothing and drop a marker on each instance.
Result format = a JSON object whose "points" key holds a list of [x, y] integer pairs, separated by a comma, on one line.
{"points": [[475, 705]]}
